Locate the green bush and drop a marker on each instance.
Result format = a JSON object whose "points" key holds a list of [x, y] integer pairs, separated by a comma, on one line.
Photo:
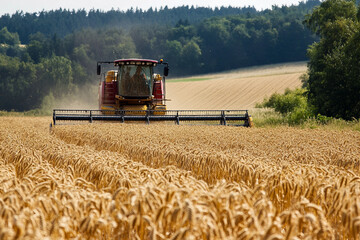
{"points": [[291, 108], [287, 102], [292, 105], [323, 119], [298, 116]]}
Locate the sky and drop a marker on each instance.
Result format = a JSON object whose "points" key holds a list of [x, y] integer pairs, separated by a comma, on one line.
{"points": [[31, 6]]}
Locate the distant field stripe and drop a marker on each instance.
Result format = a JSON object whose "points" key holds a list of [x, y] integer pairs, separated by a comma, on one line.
{"points": [[189, 79]]}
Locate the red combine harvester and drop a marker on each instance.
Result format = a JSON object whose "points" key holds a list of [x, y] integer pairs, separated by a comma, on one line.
{"points": [[133, 86], [133, 92]]}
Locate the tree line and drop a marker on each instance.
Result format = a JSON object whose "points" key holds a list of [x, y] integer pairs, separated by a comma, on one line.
{"points": [[46, 54], [63, 22], [331, 88], [334, 66]]}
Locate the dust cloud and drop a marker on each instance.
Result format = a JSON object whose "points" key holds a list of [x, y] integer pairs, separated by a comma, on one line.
{"points": [[85, 97]]}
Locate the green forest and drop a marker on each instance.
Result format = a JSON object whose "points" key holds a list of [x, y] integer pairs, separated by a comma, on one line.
{"points": [[55, 52], [331, 89], [52, 53]]}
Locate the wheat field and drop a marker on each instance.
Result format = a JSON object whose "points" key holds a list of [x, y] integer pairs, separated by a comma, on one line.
{"points": [[238, 89], [127, 181]]}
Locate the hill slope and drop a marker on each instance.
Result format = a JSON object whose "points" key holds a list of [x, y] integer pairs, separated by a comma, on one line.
{"points": [[240, 89]]}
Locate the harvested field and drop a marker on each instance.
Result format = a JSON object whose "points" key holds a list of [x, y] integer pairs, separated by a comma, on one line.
{"points": [[240, 89], [125, 181]]}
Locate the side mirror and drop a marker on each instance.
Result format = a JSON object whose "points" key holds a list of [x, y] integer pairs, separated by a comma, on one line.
{"points": [[98, 69], [166, 71]]}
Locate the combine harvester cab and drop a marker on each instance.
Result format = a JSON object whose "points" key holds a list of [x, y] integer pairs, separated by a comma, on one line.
{"points": [[133, 87], [133, 93]]}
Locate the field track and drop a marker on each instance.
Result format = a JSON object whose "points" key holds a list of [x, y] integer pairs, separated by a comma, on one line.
{"points": [[126, 181], [240, 89]]}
